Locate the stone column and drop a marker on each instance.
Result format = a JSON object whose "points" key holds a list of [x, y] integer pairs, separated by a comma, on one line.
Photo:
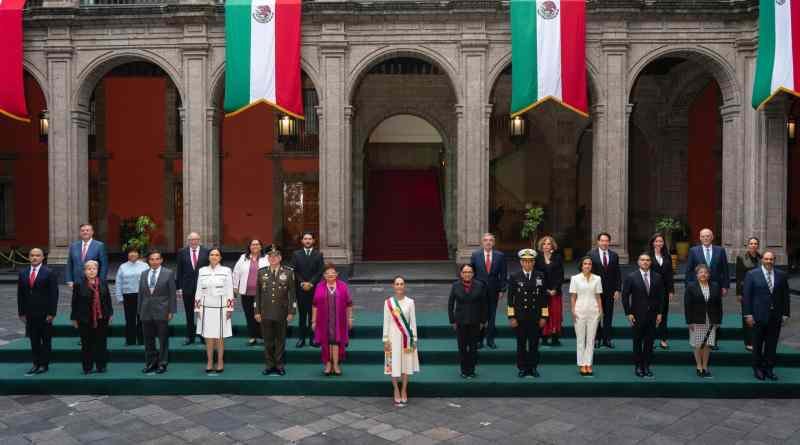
{"points": [[67, 148], [610, 162], [335, 180], [200, 154], [472, 202]]}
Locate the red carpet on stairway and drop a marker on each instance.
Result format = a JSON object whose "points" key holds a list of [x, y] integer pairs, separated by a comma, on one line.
{"points": [[404, 219]]}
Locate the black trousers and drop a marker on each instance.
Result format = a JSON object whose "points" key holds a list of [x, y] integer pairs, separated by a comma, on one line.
{"points": [[188, 307], [40, 333], [156, 329], [274, 332], [644, 332], [133, 325], [304, 300], [765, 342], [528, 333], [468, 335], [662, 332], [606, 324], [253, 330], [94, 349], [491, 329], [747, 331]]}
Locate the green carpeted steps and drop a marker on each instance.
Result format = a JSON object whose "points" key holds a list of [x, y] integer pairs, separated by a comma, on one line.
{"points": [[674, 368]]}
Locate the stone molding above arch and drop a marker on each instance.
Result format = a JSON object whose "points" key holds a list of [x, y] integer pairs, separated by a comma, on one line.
{"points": [[362, 66], [93, 72]]}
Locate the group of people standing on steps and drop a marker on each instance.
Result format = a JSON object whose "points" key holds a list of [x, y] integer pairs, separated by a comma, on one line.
{"points": [[534, 302]]}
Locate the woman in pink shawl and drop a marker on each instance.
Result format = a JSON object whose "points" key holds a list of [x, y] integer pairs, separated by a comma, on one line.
{"points": [[332, 319]]}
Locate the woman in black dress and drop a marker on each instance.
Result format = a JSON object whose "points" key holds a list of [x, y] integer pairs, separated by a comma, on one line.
{"points": [[468, 310], [552, 265], [91, 315], [662, 263]]}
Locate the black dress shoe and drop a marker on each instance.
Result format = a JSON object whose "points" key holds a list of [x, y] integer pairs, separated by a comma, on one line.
{"points": [[220, 370], [32, 371], [491, 344], [759, 374], [282, 372], [533, 373], [161, 369], [42, 369], [648, 373], [265, 372], [89, 371], [472, 375], [251, 342], [555, 342], [522, 373], [608, 344], [101, 370], [463, 375], [148, 369], [707, 374], [639, 372], [188, 341], [700, 372], [301, 343], [313, 344], [770, 375]]}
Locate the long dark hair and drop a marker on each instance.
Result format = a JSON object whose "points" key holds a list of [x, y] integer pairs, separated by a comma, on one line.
{"points": [[247, 249], [665, 252]]}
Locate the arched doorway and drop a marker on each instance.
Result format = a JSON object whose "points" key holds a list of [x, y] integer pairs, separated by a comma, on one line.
{"points": [[404, 135], [550, 166], [24, 191], [793, 186], [675, 150], [135, 150], [269, 183]]}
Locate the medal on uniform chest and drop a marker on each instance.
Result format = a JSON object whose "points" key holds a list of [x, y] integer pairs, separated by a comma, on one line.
{"points": [[282, 277]]}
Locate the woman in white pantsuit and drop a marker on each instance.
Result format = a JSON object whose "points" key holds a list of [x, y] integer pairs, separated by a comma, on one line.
{"points": [[213, 303], [400, 339], [585, 292]]}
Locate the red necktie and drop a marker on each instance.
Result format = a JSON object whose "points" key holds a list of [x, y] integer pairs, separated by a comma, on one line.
{"points": [[488, 262], [83, 250], [605, 259], [32, 278], [194, 259]]}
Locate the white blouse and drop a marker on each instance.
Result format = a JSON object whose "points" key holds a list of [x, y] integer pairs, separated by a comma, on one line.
{"points": [[586, 291]]}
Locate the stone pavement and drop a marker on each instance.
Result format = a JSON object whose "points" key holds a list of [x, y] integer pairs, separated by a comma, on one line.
{"points": [[213, 419]]}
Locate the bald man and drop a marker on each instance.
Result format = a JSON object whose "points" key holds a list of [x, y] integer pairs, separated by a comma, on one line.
{"points": [[712, 256], [190, 259], [37, 301]]}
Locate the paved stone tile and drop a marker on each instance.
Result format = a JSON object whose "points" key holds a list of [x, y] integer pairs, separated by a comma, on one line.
{"points": [[441, 433], [245, 433], [417, 439], [322, 425], [395, 434], [294, 433]]}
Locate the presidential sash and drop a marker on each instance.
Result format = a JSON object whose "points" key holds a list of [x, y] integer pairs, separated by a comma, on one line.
{"points": [[402, 323]]}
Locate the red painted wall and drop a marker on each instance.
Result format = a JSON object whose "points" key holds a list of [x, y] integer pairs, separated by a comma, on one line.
{"points": [[30, 172], [794, 181], [247, 174], [135, 138], [704, 134]]}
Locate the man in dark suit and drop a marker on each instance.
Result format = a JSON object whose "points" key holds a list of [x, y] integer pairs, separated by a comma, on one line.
{"points": [[765, 306], [528, 311], [605, 264], [37, 301], [85, 249], [308, 264], [190, 259], [644, 298], [157, 305], [712, 256], [490, 268]]}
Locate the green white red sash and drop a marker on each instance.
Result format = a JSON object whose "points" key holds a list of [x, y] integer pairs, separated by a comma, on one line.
{"points": [[402, 323]]}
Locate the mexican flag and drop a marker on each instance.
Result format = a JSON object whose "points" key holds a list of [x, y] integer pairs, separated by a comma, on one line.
{"points": [[263, 55], [548, 54], [12, 90], [778, 63]]}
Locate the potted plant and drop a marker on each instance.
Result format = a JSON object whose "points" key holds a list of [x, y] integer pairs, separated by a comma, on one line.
{"points": [[668, 226], [530, 224], [135, 232]]}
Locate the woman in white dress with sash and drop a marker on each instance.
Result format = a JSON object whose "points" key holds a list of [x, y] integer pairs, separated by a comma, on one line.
{"points": [[400, 340], [213, 304]]}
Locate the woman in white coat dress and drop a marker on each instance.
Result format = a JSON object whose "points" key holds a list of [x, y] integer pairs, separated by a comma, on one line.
{"points": [[400, 340], [213, 304]]}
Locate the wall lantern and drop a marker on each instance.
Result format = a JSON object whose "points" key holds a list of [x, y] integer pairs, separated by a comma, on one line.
{"points": [[44, 125], [518, 129]]}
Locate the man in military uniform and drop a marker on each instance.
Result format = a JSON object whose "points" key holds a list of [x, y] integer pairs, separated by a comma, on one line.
{"points": [[527, 311], [275, 307]]}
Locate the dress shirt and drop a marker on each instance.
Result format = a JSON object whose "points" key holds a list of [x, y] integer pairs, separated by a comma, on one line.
{"points": [[660, 260], [769, 276], [128, 276], [708, 253], [153, 280], [646, 279]]}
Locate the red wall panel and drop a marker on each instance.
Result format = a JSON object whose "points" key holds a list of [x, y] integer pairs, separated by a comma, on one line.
{"points": [[704, 135]]}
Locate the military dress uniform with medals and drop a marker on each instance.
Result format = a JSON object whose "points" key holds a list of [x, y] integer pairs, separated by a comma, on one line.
{"points": [[275, 300], [527, 304]]}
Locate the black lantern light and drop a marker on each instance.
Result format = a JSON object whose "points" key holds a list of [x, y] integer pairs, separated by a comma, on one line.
{"points": [[791, 129], [518, 129], [286, 129], [44, 125]]}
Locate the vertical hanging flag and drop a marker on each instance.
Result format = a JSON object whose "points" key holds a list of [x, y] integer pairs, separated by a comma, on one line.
{"points": [[263, 55], [12, 89], [778, 62], [548, 54]]}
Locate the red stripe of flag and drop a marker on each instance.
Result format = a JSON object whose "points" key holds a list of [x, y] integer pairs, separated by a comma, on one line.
{"points": [[12, 89], [795, 8], [288, 90], [573, 53]]}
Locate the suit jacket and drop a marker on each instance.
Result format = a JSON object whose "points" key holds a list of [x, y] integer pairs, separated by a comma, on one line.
{"points": [[40, 300], [82, 302], [468, 307], [186, 275], [554, 272], [611, 276], [96, 251], [696, 308], [528, 299], [637, 301], [496, 280], [162, 301], [718, 266], [665, 270], [307, 268], [759, 302]]}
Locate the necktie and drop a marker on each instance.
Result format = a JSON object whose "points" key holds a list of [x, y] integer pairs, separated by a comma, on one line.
{"points": [[308, 252], [32, 278], [194, 258], [488, 262], [83, 250], [647, 281], [708, 256], [769, 281], [605, 259], [152, 279]]}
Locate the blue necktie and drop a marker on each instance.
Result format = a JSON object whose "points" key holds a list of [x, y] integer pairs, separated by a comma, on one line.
{"points": [[708, 255], [152, 279]]}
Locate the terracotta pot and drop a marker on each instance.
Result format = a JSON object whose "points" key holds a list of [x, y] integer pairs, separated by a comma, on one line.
{"points": [[568, 254], [682, 247]]}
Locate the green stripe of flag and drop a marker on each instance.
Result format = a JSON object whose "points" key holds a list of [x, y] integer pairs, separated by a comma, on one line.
{"points": [[762, 87], [524, 76], [237, 54]]}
